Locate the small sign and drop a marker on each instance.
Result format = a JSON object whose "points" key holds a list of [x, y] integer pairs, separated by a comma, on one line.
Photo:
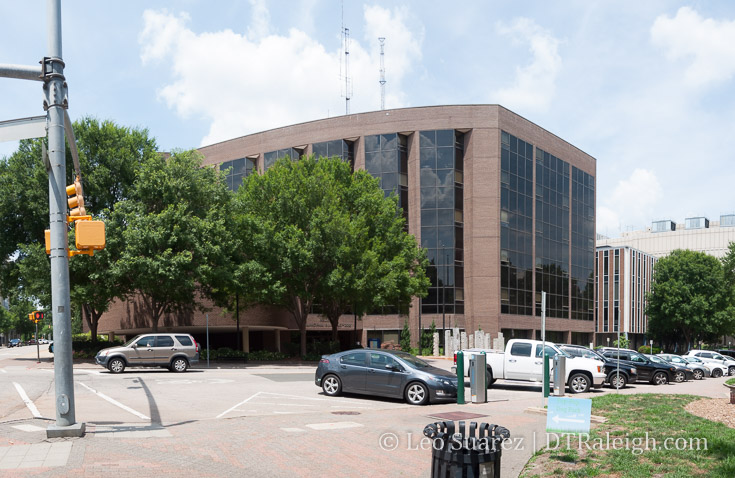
{"points": [[568, 415]]}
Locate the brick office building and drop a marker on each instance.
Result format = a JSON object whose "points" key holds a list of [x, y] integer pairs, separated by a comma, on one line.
{"points": [[503, 208]]}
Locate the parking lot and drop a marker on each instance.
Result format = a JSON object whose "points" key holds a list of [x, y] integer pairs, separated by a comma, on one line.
{"points": [[267, 419]]}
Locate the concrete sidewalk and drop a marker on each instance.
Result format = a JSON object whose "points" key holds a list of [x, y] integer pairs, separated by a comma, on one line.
{"points": [[378, 443]]}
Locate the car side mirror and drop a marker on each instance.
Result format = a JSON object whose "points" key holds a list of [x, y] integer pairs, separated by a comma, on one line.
{"points": [[134, 346], [392, 368]]}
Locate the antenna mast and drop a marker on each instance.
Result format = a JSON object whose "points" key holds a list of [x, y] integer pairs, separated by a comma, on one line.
{"points": [[382, 72], [346, 46]]}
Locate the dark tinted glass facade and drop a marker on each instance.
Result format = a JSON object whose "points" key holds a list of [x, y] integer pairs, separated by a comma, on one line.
{"points": [[338, 147], [583, 244], [552, 233], [237, 170], [441, 158], [516, 226], [270, 158], [386, 158]]}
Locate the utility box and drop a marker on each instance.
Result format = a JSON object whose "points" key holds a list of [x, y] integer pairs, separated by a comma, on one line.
{"points": [[478, 373], [560, 373]]}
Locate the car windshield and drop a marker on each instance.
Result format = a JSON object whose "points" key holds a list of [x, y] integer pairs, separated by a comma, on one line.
{"points": [[412, 360], [130, 342], [656, 359], [673, 359], [692, 359]]}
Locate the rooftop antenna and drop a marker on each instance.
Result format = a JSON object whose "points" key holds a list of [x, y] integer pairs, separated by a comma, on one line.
{"points": [[346, 47], [382, 72]]}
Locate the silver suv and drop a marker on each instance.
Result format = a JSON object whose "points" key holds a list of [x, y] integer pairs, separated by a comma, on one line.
{"points": [[173, 351]]}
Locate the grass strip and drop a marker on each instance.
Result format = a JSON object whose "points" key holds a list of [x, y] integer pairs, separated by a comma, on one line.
{"points": [[696, 446]]}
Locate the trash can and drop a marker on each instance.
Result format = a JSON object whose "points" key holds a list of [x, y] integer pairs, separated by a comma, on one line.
{"points": [[560, 373], [460, 453], [478, 373]]}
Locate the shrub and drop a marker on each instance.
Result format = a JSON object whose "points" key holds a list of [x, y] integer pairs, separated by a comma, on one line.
{"points": [[645, 349], [266, 355], [86, 349], [405, 339]]}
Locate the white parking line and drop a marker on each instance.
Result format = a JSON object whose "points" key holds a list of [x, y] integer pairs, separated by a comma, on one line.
{"points": [[114, 402], [3, 370], [232, 408], [28, 401], [334, 425]]}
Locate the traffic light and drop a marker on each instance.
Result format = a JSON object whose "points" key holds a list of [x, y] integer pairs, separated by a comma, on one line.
{"points": [[90, 235], [76, 200], [35, 316]]}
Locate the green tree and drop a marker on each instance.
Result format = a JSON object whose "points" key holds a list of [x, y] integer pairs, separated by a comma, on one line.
{"points": [[405, 339], [427, 338], [173, 233], [728, 265], [689, 298], [109, 157], [373, 261], [313, 232]]}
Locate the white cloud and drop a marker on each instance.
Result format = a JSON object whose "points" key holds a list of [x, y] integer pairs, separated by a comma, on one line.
{"points": [[243, 84], [534, 84], [634, 198], [707, 42]]}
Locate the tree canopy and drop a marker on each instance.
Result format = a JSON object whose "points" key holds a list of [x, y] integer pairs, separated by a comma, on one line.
{"points": [[312, 232], [172, 233], [689, 298]]}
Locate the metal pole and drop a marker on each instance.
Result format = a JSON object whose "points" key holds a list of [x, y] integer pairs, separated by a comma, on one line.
{"points": [[55, 102], [617, 323], [421, 331], [237, 314], [38, 349], [543, 347], [207, 340]]}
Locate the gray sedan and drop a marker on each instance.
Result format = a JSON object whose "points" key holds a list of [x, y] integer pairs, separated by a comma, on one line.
{"points": [[384, 373]]}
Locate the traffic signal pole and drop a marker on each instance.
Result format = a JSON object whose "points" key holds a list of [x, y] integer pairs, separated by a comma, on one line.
{"points": [[56, 101], [51, 73]]}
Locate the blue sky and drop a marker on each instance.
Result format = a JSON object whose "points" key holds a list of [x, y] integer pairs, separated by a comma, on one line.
{"points": [[644, 87]]}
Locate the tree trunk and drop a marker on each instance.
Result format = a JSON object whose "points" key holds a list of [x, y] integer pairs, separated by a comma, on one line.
{"points": [[335, 331], [300, 312], [303, 339]]}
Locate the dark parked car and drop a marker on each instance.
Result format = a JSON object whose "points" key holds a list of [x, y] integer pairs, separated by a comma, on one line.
{"points": [[616, 377], [699, 371], [385, 373], [14, 343], [682, 373], [729, 353], [648, 371]]}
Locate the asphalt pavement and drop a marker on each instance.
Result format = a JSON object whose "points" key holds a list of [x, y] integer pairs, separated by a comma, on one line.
{"points": [[242, 420]]}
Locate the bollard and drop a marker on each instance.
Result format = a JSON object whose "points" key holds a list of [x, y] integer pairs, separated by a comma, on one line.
{"points": [[460, 377]]}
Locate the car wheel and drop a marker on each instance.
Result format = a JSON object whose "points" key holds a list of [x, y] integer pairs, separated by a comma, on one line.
{"points": [[116, 365], [489, 380], [717, 373], [178, 365], [698, 374], [332, 385], [659, 378], [618, 381], [732, 371], [417, 393], [679, 377], [579, 383]]}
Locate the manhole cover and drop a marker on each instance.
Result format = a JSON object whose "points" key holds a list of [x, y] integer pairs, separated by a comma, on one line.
{"points": [[345, 413], [456, 416]]}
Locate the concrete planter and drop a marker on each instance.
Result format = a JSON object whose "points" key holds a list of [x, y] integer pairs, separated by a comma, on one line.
{"points": [[732, 393]]}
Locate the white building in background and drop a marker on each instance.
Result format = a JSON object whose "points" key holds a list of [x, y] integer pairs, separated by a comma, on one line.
{"points": [[696, 234]]}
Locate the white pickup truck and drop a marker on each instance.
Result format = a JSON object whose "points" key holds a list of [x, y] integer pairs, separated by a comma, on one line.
{"points": [[522, 361]]}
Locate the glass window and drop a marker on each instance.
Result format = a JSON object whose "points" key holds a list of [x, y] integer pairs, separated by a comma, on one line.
{"points": [[146, 341], [184, 340], [164, 341], [382, 361], [354, 358], [550, 351], [521, 349]]}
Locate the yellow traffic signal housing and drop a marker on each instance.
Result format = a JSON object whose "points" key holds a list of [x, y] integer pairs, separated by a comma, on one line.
{"points": [[37, 316], [30, 316], [90, 235], [47, 237], [76, 200]]}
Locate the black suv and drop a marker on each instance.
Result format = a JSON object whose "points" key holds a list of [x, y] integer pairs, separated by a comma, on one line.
{"points": [[616, 377], [648, 371]]}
